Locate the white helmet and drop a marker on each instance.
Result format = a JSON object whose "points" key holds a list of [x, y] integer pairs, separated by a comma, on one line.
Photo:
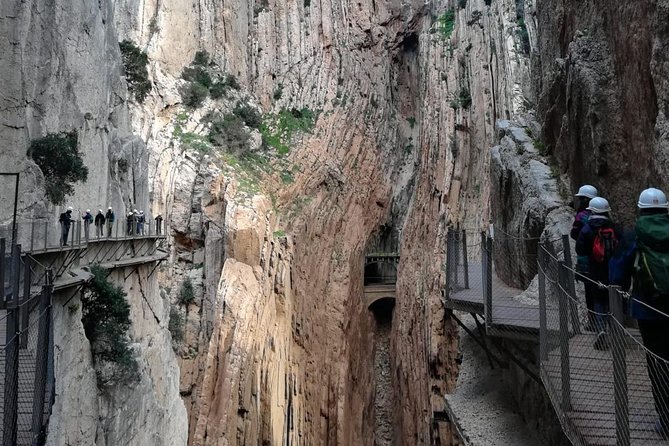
{"points": [[653, 199], [88, 211], [587, 191], [109, 208], [100, 211], [69, 208], [599, 205]]}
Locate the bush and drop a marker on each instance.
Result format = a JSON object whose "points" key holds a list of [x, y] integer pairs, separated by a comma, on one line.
{"points": [[176, 325], [446, 23], [58, 156], [277, 130], [464, 98], [194, 94], [232, 82], [136, 74], [201, 58], [462, 4], [278, 93], [523, 36], [248, 114], [229, 133], [197, 74], [106, 320], [187, 293]]}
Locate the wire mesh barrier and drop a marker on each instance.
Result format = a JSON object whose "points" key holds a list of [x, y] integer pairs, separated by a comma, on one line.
{"points": [[26, 359], [607, 385], [44, 235]]}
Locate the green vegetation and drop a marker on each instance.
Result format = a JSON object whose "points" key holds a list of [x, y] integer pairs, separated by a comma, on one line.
{"points": [[412, 121], [176, 325], [59, 158], [250, 115], [523, 36], [278, 129], [446, 24], [229, 133], [280, 233], [462, 4], [106, 320], [203, 80], [278, 92], [136, 74], [465, 98], [476, 17], [187, 293], [540, 146]]}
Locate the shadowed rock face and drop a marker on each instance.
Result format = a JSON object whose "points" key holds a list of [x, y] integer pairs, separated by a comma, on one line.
{"points": [[602, 76]]}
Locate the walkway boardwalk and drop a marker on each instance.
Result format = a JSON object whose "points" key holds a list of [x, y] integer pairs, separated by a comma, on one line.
{"points": [[602, 397]]}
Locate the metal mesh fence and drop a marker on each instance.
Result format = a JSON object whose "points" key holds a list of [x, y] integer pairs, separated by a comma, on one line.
{"points": [[606, 378], [25, 332]]}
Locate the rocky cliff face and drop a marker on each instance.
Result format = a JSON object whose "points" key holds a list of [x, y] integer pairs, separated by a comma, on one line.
{"points": [[602, 76]]}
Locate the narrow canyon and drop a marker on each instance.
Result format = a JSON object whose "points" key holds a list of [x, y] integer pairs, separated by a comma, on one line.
{"points": [[301, 153]]}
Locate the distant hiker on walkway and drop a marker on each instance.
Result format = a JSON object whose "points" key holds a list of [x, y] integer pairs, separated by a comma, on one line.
{"points": [[643, 264], [65, 221], [130, 223], [88, 219], [109, 218], [99, 224], [140, 223], [598, 240], [583, 196], [159, 224]]}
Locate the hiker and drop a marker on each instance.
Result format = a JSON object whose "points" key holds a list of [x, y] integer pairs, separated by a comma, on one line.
{"points": [[65, 221], [159, 224], [583, 196], [598, 240], [109, 219], [130, 221], [643, 265], [88, 219], [99, 224], [140, 223]]}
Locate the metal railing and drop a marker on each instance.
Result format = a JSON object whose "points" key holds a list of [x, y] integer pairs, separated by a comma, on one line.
{"points": [[42, 235], [607, 385], [26, 359]]}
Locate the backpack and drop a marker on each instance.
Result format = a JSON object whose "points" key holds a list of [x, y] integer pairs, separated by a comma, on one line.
{"points": [[604, 245], [652, 271]]}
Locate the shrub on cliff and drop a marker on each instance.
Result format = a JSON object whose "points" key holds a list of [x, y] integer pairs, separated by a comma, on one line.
{"points": [[106, 320], [446, 23], [58, 156], [194, 94], [187, 293], [229, 133], [136, 74], [176, 325], [248, 114]]}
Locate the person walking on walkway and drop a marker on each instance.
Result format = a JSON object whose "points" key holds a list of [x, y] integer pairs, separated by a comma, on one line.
{"points": [[159, 224], [583, 196], [598, 240], [140, 223], [99, 224], [65, 221], [88, 219], [130, 223], [643, 265], [109, 219]]}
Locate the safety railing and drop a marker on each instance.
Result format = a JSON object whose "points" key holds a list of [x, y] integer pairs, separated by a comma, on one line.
{"points": [[608, 381], [26, 353], [41, 235]]}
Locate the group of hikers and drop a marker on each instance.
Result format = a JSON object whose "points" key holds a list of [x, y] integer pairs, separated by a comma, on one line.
{"points": [[635, 260], [104, 222]]}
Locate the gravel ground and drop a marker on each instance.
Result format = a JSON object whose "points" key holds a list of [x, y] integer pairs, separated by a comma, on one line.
{"points": [[481, 408]]}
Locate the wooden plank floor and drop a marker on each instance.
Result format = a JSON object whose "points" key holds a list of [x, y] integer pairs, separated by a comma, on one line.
{"points": [[592, 414]]}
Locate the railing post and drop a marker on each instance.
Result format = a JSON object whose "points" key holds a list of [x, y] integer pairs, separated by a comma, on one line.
{"points": [[543, 329], [563, 313], [32, 235], [46, 234], [484, 263], [10, 415], [42, 358], [488, 279], [465, 260], [456, 256], [449, 257], [570, 284], [25, 308], [618, 354], [2, 267]]}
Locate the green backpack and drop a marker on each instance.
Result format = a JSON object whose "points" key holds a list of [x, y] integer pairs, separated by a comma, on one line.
{"points": [[652, 261]]}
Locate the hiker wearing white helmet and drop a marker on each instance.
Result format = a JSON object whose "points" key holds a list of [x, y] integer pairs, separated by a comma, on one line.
{"points": [[65, 221], [642, 265], [99, 224], [88, 219], [110, 217], [130, 223], [582, 200], [598, 241], [140, 223]]}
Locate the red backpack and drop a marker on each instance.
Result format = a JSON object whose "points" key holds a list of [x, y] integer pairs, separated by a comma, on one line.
{"points": [[604, 245]]}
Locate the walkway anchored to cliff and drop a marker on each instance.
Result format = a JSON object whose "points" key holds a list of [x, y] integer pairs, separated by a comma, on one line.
{"points": [[601, 396], [30, 278]]}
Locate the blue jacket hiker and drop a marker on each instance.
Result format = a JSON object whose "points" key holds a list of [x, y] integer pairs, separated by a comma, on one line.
{"points": [[643, 265]]}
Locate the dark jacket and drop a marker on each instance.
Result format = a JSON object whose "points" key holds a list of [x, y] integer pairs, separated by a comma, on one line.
{"points": [[99, 219], [647, 232], [596, 271], [580, 220], [66, 219], [110, 217], [88, 218]]}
